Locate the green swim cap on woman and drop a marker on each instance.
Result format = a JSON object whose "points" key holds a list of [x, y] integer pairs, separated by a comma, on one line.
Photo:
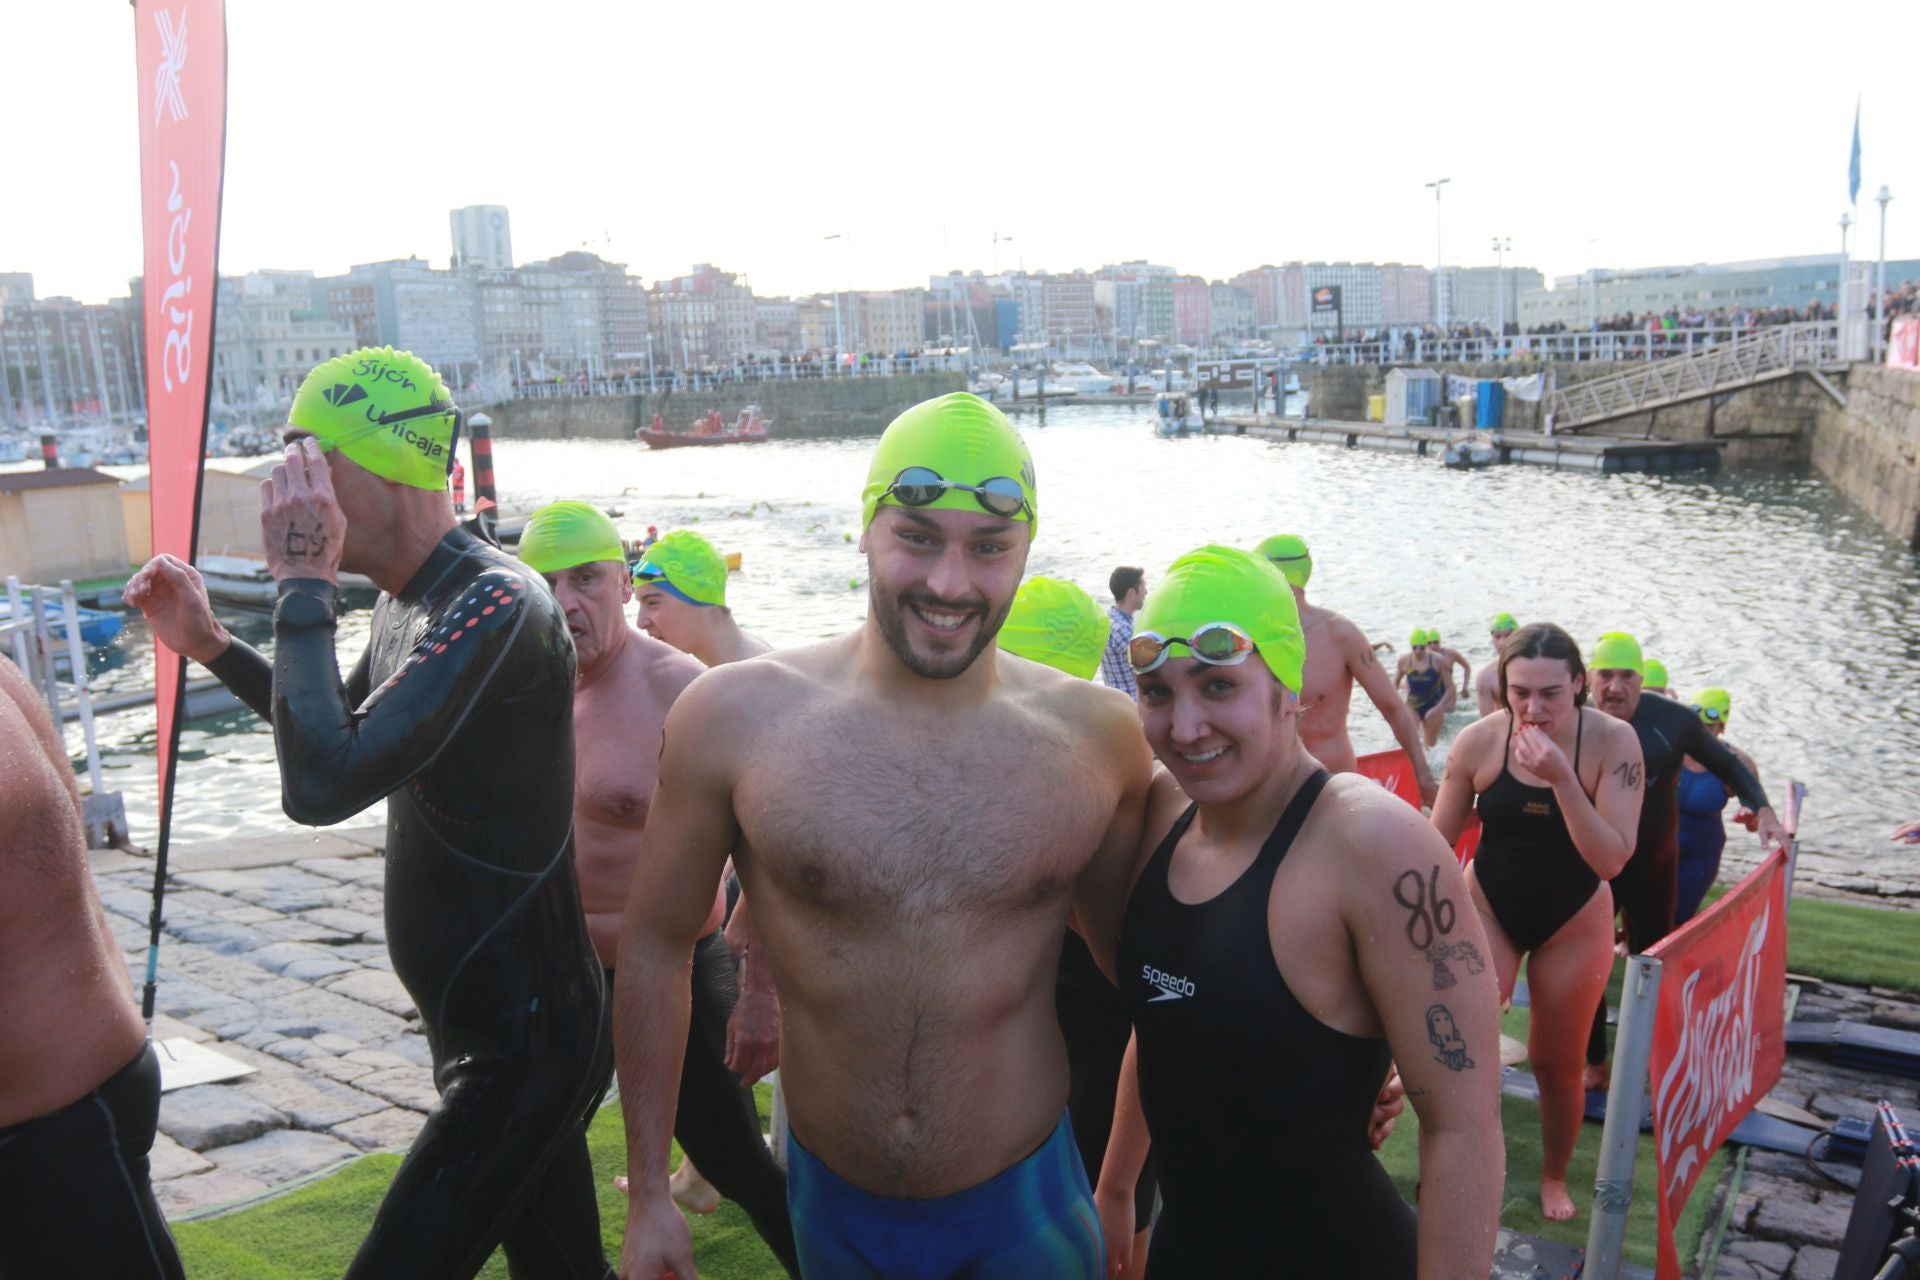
{"points": [[1653, 674], [1225, 584], [1714, 699], [687, 566], [386, 410], [1058, 624], [962, 438], [1616, 651], [1290, 556], [563, 535]]}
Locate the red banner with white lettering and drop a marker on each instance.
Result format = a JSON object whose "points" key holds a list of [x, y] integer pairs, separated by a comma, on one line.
{"points": [[180, 48], [1719, 1032], [1394, 771]]}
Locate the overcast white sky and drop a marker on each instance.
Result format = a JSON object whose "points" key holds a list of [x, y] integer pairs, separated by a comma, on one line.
{"points": [[1214, 137]]}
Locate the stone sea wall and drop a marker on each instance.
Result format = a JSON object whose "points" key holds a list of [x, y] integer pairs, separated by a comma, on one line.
{"points": [[1871, 449], [807, 407]]}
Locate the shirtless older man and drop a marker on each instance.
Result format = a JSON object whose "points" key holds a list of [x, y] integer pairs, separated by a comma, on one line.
{"points": [[912, 817], [625, 682], [79, 1085], [1486, 685], [1338, 654]]}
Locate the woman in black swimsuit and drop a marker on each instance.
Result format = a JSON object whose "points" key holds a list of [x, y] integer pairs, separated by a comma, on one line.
{"points": [[1558, 789]]}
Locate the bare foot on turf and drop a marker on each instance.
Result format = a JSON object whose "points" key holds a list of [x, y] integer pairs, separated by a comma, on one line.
{"points": [[691, 1191], [1598, 1075], [1555, 1204]]}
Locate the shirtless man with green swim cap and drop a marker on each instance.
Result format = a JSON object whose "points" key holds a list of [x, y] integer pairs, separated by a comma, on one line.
{"points": [[912, 817], [1338, 654], [1486, 686], [680, 586], [625, 682]]}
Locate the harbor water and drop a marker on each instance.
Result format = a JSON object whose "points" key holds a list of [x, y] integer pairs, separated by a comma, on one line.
{"points": [[1766, 582]]}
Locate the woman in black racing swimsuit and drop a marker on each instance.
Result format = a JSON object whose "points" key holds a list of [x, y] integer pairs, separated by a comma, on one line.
{"points": [[1558, 791]]}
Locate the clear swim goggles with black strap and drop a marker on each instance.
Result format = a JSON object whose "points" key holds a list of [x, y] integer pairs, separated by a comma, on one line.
{"points": [[1218, 644]]}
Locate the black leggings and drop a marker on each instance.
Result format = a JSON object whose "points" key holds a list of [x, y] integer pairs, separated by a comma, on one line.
{"points": [[75, 1196], [1645, 893], [715, 1121]]}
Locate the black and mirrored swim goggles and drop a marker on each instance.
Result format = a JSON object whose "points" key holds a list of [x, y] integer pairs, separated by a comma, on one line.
{"points": [[922, 486]]}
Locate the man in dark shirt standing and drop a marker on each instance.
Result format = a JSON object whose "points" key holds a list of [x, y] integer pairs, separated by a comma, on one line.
{"points": [[1669, 732]]}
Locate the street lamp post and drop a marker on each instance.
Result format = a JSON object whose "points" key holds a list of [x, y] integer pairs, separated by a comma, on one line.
{"points": [[839, 332], [1843, 310], [1439, 257], [1880, 279], [1500, 247]]}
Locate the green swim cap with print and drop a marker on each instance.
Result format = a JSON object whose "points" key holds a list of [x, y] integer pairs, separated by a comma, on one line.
{"points": [[563, 535], [1653, 673], [960, 438], [686, 566], [1716, 700], [1057, 624], [1290, 556], [1503, 624], [386, 410], [1616, 651], [1226, 584]]}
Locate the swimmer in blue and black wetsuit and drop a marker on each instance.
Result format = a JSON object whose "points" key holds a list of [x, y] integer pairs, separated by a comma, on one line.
{"points": [[1429, 684], [1702, 799], [1558, 788], [460, 715]]}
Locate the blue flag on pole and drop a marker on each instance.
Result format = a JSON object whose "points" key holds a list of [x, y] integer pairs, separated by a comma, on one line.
{"points": [[1853, 165]]}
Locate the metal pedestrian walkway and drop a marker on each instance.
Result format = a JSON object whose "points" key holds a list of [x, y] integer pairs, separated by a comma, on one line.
{"points": [[1744, 360]]}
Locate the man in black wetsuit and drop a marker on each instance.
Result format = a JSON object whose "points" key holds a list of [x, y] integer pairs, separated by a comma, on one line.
{"points": [[1669, 732], [460, 713]]}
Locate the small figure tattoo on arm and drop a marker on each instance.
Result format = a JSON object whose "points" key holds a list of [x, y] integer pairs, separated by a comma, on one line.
{"points": [[1445, 1035], [1462, 953]]}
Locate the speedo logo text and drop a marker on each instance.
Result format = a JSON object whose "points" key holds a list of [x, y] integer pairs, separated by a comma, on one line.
{"points": [[1169, 986]]}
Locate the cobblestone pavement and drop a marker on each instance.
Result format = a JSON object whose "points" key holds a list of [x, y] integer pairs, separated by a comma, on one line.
{"points": [[276, 949]]}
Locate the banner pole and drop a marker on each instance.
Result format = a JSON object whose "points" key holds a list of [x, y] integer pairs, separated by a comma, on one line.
{"points": [[1619, 1140]]}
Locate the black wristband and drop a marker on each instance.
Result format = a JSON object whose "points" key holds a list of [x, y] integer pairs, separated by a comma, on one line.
{"points": [[305, 602]]}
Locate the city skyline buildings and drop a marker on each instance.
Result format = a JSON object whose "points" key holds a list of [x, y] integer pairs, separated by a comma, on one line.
{"points": [[1304, 176]]}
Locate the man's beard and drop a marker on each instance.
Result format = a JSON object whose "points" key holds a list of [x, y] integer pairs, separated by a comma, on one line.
{"points": [[890, 614]]}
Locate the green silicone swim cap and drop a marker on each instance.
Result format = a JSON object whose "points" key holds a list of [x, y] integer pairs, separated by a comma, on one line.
{"points": [[1418, 638], [562, 535], [1503, 622], [1616, 651], [1290, 556], [1714, 699], [1056, 623], [1653, 674], [687, 566], [961, 437], [386, 410], [1225, 584]]}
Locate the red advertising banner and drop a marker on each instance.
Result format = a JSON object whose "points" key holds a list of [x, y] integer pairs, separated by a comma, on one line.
{"points": [[1392, 770], [181, 50], [1719, 1032]]}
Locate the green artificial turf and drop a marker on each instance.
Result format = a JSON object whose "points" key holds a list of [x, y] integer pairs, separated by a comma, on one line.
{"points": [[313, 1232]]}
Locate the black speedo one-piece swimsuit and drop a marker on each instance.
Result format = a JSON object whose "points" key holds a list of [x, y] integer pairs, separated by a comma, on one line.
{"points": [[460, 714], [1258, 1110], [1527, 866]]}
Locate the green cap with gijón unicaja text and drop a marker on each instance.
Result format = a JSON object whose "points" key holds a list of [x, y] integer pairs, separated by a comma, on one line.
{"points": [[1226, 584], [562, 535], [1289, 554], [386, 410], [1058, 624], [1616, 651], [961, 438], [686, 565]]}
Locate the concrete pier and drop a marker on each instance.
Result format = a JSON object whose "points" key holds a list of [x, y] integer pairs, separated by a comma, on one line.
{"points": [[1585, 452]]}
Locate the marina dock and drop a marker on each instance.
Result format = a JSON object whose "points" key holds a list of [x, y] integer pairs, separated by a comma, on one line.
{"points": [[1584, 452]]}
